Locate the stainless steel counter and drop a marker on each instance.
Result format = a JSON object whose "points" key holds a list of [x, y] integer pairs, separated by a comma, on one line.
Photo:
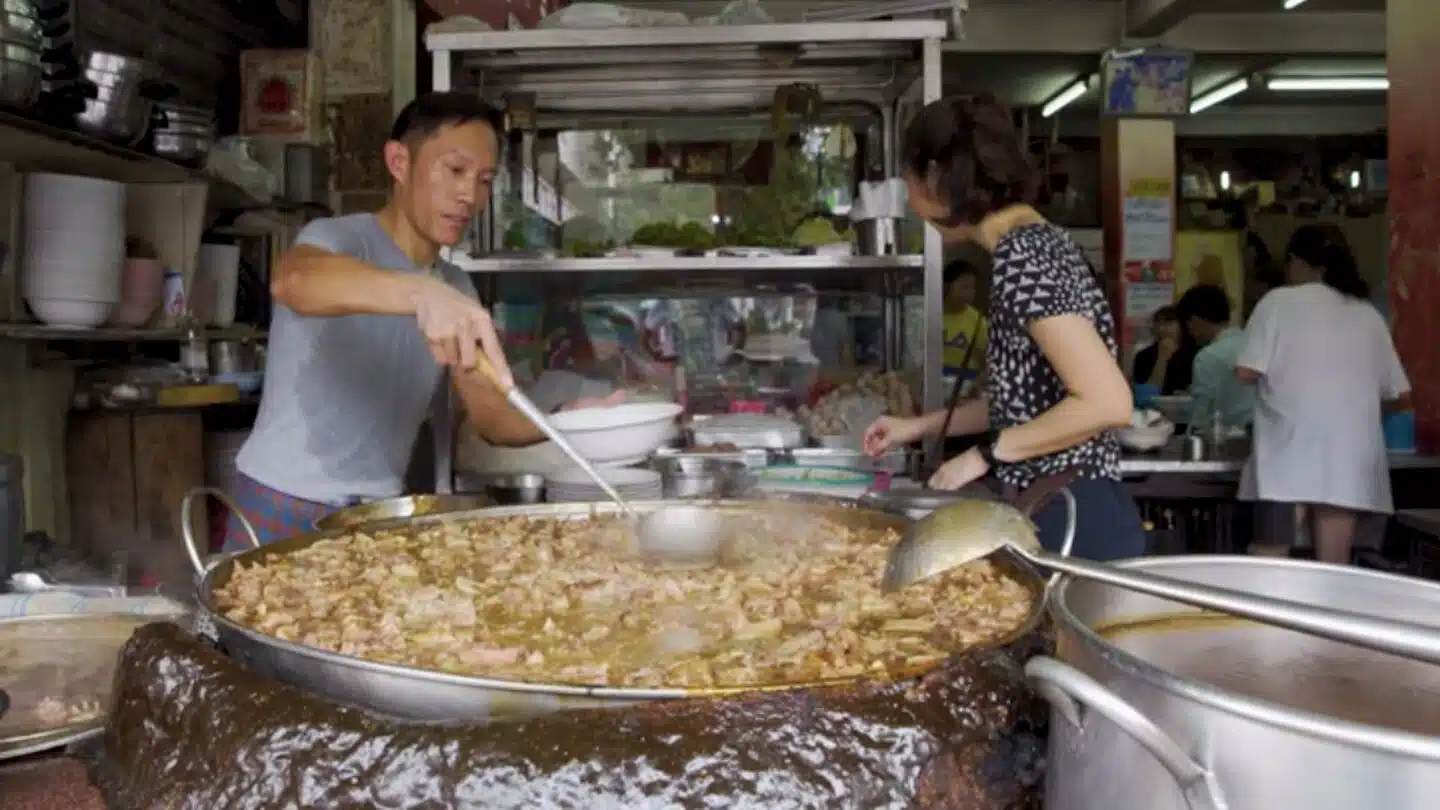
{"points": [[1424, 520], [1171, 461]]}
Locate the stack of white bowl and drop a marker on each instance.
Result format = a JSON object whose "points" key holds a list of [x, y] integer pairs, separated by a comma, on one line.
{"points": [[74, 246], [574, 486]]}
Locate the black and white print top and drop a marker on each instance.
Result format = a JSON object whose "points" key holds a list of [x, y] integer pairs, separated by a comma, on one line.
{"points": [[1040, 273]]}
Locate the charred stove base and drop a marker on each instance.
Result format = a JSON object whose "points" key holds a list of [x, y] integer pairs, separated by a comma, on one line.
{"points": [[193, 730]]}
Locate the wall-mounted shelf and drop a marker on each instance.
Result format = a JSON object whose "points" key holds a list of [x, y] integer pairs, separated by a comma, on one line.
{"points": [[36, 146], [39, 331], [684, 264]]}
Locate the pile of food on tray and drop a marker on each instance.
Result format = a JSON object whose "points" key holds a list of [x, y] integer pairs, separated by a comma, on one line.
{"points": [[572, 601]]}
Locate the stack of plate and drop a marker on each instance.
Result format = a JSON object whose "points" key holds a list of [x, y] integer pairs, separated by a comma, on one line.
{"points": [[574, 486]]}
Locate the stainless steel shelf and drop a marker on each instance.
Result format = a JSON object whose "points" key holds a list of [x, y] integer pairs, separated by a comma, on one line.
{"points": [[682, 264], [612, 43], [693, 68]]}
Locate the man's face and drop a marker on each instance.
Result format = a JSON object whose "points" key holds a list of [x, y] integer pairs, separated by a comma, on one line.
{"points": [[444, 180]]}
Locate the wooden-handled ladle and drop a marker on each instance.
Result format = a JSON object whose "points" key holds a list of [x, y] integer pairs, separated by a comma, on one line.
{"points": [[970, 530], [522, 403]]}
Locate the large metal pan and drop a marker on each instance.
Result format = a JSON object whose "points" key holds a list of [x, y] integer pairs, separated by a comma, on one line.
{"points": [[406, 507], [418, 694]]}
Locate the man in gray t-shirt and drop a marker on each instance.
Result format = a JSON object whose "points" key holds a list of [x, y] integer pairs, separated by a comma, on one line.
{"points": [[365, 320]]}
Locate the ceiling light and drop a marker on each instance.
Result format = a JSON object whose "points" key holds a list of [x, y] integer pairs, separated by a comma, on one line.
{"points": [[1065, 98], [1289, 4], [1225, 91], [1340, 83], [1224, 181]]}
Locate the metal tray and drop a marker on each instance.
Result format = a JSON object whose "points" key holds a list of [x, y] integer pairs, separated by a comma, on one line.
{"points": [[87, 629], [776, 438], [753, 458]]}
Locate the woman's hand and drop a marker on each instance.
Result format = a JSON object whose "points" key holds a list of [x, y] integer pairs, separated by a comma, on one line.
{"points": [[965, 468], [889, 432], [453, 323]]}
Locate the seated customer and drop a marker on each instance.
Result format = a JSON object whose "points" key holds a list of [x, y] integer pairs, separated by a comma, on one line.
{"points": [[1166, 361], [1214, 389], [966, 331]]}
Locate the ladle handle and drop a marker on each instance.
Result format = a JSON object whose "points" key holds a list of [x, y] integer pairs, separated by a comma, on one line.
{"points": [[526, 407], [1415, 641]]}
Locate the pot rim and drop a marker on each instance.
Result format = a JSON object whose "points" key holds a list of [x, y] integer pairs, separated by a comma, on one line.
{"points": [[205, 593], [1313, 724]]}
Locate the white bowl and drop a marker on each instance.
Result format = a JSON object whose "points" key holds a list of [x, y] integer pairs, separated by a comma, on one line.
{"points": [[629, 431], [60, 213], [1145, 439], [73, 314], [40, 185]]}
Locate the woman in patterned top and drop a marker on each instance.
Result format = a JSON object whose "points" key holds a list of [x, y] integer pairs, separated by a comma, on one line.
{"points": [[1054, 388]]}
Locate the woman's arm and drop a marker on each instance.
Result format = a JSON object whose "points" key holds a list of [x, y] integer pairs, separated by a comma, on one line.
{"points": [[971, 416], [1098, 396]]}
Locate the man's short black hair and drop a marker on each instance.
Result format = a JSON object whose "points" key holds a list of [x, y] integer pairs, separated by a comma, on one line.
{"points": [[1207, 302], [430, 112], [960, 268]]}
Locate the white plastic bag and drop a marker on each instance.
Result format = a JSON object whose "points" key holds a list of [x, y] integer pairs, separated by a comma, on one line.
{"points": [[743, 12], [608, 15]]}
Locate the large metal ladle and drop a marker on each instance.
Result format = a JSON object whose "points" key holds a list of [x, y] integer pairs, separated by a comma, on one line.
{"points": [[970, 530], [522, 403]]}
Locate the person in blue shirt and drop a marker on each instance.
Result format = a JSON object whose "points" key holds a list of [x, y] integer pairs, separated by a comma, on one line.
{"points": [[1204, 310]]}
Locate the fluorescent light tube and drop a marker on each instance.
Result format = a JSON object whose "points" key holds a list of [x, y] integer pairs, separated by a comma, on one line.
{"points": [[1334, 83], [1289, 4], [1225, 91], [1065, 98]]}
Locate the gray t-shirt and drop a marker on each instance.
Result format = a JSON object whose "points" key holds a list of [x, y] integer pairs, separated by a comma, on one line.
{"points": [[344, 397]]}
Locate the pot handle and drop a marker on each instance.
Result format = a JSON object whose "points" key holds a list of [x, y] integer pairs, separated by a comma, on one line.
{"points": [[1068, 690], [187, 506]]}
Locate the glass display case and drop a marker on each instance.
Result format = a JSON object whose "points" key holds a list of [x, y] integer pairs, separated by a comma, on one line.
{"points": [[673, 210]]}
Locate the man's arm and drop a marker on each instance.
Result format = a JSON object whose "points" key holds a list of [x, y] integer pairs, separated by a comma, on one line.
{"points": [[492, 416], [321, 276]]}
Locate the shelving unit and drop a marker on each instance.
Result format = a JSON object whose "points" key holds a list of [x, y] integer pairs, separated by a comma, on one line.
{"points": [[628, 77], [36, 146]]}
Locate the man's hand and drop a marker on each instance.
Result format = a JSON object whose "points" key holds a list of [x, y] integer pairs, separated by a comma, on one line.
{"points": [[452, 323], [610, 401]]}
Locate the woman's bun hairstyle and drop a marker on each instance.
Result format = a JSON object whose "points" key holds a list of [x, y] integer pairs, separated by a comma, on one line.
{"points": [[969, 147]]}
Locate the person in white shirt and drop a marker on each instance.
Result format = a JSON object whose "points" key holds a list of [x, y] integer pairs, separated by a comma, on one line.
{"points": [[1325, 369], [1204, 311]]}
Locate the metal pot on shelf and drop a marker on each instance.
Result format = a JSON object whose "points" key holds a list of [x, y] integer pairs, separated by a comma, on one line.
{"points": [[1159, 707], [125, 92]]}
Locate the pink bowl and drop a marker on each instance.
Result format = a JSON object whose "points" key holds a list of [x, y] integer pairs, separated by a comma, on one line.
{"points": [[142, 287]]}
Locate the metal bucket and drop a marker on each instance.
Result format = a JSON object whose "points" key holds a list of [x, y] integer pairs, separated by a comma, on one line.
{"points": [[1157, 706]]}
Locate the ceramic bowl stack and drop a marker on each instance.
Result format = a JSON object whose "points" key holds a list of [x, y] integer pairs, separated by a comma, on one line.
{"points": [[574, 486], [74, 245]]}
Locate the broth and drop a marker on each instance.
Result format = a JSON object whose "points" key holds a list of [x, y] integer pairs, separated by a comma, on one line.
{"points": [[1287, 668]]}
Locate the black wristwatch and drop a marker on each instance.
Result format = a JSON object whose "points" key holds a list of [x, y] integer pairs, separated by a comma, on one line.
{"points": [[986, 446]]}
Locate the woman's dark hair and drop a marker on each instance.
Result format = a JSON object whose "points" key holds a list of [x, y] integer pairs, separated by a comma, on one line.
{"points": [[968, 147], [1324, 247], [1165, 315]]}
